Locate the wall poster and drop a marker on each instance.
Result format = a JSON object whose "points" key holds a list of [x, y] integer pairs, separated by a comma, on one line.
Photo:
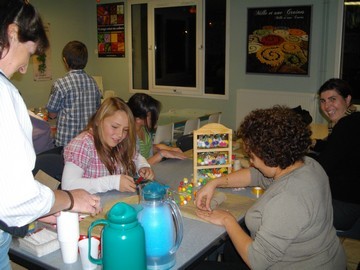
{"points": [[278, 40], [111, 30]]}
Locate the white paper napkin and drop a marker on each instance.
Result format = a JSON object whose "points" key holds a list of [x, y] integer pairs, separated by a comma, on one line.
{"points": [[40, 243]]}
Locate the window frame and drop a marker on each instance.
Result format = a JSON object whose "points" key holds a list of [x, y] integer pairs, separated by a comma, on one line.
{"points": [[199, 90]]}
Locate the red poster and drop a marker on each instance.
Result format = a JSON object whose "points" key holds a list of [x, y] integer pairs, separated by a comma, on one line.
{"points": [[111, 30]]}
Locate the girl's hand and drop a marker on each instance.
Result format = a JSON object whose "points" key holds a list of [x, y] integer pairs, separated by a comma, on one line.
{"points": [[176, 149], [49, 219], [147, 173], [127, 184], [173, 154]]}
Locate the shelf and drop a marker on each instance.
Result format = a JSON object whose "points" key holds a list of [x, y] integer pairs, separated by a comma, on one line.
{"points": [[217, 139]]}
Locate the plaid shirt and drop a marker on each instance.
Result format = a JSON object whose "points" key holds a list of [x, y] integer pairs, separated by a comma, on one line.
{"points": [[82, 152], [75, 98]]}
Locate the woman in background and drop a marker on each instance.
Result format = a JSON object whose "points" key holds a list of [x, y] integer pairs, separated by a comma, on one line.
{"points": [[103, 157], [339, 153], [41, 135], [291, 224], [146, 111]]}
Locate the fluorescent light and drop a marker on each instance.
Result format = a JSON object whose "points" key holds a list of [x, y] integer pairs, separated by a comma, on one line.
{"points": [[352, 3]]}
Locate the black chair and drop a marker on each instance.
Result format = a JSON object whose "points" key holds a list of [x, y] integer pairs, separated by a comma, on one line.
{"points": [[353, 232], [51, 162]]}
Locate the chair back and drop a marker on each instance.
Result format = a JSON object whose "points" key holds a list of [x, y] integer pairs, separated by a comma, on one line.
{"points": [[51, 162], [164, 134], [191, 125], [215, 118]]}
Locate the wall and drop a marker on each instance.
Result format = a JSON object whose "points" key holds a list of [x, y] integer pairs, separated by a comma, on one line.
{"points": [[71, 20]]}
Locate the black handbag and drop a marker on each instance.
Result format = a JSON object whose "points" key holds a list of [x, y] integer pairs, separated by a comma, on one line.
{"points": [[185, 142]]}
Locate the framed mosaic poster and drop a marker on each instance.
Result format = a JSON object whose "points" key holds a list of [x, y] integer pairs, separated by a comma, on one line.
{"points": [[111, 30], [278, 40]]}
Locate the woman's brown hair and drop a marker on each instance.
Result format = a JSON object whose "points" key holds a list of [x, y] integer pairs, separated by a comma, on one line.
{"points": [[27, 18], [276, 135]]}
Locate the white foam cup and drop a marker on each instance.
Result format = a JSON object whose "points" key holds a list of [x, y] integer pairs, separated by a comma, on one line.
{"points": [[68, 235], [69, 251], [68, 226], [84, 252]]}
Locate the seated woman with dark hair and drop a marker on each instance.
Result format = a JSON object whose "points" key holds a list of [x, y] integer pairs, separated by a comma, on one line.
{"points": [[291, 224], [338, 154]]}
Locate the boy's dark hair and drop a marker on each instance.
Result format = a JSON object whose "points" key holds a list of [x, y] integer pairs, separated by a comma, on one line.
{"points": [[75, 54]]}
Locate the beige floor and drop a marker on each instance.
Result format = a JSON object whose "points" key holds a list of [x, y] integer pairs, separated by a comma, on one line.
{"points": [[17, 267], [352, 249]]}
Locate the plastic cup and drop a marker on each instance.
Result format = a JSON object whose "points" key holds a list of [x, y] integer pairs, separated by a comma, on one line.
{"points": [[68, 227], [68, 235], [69, 251], [84, 252]]}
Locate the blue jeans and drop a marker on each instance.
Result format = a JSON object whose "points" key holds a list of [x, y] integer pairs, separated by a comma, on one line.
{"points": [[5, 240]]}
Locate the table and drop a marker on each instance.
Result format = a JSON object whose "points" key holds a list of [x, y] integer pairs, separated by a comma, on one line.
{"points": [[179, 116], [320, 131], [200, 238]]}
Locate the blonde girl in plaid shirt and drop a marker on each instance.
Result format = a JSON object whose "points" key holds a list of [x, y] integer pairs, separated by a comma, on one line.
{"points": [[103, 157]]}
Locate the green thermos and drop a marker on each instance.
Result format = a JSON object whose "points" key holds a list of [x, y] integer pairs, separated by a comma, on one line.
{"points": [[122, 239]]}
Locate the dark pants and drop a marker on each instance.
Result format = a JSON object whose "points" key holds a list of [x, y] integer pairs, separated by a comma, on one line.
{"points": [[347, 218], [231, 259]]}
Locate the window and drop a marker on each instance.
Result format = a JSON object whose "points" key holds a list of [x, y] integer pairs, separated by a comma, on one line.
{"points": [[178, 48], [350, 67]]}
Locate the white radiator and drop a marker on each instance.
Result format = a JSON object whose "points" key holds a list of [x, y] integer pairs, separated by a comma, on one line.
{"points": [[249, 99]]}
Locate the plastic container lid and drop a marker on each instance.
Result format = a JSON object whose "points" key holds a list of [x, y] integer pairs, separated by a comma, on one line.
{"points": [[122, 213], [154, 191]]}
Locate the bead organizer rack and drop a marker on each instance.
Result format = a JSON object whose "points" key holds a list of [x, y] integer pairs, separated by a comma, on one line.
{"points": [[212, 152]]}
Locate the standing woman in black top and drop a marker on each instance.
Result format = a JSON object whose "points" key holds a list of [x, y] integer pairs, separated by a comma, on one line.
{"points": [[339, 153]]}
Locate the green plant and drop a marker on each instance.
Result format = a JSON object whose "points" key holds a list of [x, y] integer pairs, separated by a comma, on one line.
{"points": [[42, 63]]}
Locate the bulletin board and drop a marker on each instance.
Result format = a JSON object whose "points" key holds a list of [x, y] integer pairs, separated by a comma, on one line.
{"points": [[111, 30]]}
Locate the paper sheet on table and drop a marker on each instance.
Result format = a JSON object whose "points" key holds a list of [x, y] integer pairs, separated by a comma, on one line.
{"points": [[235, 204]]}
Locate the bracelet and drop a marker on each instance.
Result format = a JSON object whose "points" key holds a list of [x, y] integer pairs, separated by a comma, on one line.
{"points": [[162, 156], [71, 200]]}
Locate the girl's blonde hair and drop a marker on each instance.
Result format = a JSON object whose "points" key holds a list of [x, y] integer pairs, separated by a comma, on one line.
{"points": [[124, 152]]}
